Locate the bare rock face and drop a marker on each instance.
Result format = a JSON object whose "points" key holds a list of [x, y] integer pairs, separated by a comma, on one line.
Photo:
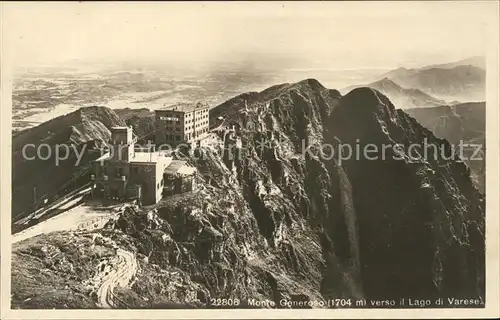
{"points": [[274, 217], [461, 123], [420, 219]]}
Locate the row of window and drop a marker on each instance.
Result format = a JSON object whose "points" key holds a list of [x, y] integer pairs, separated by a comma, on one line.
{"points": [[202, 130], [186, 122], [176, 137], [203, 116], [202, 111], [201, 124], [205, 123], [187, 114], [177, 124], [198, 117], [187, 128]]}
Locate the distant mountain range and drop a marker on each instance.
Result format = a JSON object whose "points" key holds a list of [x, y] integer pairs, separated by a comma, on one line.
{"points": [[478, 62], [463, 80], [433, 85], [402, 97]]}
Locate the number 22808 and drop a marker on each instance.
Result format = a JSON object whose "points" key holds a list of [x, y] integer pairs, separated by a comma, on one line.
{"points": [[224, 302]]}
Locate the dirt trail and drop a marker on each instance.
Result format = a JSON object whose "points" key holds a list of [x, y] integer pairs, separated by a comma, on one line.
{"points": [[86, 216], [121, 276], [81, 217]]}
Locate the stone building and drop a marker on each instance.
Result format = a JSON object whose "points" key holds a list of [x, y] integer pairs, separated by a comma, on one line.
{"points": [[125, 174], [181, 123]]}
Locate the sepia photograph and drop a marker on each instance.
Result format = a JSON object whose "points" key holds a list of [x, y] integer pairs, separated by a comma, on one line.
{"points": [[302, 159]]}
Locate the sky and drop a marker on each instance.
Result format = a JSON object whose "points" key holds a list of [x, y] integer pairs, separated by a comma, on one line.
{"points": [[338, 35]]}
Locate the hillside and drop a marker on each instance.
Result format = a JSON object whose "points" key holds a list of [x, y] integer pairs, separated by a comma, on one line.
{"points": [[35, 179], [273, 221], [402, 97]]}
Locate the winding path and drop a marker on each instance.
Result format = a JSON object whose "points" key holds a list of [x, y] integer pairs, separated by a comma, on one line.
{"points": [[121, 276]]}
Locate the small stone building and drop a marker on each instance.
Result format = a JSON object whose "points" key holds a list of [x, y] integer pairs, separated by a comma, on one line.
{"points": [[125, 174]]}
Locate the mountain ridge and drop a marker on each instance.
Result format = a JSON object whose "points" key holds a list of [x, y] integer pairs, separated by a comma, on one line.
{"points": [[272, 221]]}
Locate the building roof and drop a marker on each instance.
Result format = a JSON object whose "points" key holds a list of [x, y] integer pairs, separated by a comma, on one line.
{"points": [[120, 128], [148, 157], [184, 107], [142, 157], [179, 167]]}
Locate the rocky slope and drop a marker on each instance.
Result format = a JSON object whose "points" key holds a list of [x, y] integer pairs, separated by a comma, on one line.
{"points": [[274, 217], [466, 123]]}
